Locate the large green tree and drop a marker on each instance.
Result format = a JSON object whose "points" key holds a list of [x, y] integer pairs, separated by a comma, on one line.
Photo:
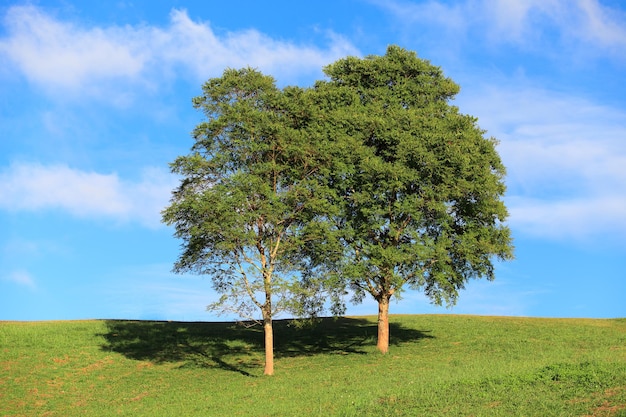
{"points": [[249, 188], [418, 185]]}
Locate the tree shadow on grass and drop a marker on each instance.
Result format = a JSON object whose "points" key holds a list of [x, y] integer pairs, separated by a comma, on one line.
{"points": [[239, 348]]}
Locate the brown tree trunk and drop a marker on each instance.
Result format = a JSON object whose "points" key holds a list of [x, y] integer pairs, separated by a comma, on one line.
{"points": [[269, 346], [383, 325]]}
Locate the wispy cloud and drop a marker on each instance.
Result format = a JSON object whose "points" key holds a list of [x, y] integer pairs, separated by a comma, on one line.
{"points": [[198, 47], [20, 247], [600, 25], [51, 51], [30, 187], [21, 278], [153, 292], [61, 55], [523, 23], [576, 218], [565, 157]]}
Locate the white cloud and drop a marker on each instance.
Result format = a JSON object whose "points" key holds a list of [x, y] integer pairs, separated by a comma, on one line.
{"points": [[51, 51], [522, 22], [21, 278], [601, 25], [197, 47], [513, 20], [452, 17], [565, 156], [61, 55], [577, 218], [85, 194]]}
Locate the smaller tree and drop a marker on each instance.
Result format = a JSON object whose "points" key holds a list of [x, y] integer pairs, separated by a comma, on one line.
{"points": [[247, 193]]}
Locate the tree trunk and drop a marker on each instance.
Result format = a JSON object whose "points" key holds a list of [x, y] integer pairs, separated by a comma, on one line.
{"points": [[269, 346], [383, 325]]}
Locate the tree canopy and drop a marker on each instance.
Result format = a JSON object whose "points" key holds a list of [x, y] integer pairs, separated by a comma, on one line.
{"points": [[418, 185], [367, 183], [247, 189]]}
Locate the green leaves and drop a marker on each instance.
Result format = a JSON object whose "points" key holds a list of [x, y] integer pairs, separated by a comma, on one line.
{"points": [[369, 181], [419, 185], [251, 187]]}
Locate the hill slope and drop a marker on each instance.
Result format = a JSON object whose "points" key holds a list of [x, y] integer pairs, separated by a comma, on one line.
{"points": [[437, 365]]}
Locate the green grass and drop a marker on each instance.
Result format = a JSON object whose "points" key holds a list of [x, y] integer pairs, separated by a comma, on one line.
{"points": [[437, 365]]}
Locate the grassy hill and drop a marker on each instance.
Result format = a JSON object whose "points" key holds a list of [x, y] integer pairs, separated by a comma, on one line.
{"points": [[437, 365]]}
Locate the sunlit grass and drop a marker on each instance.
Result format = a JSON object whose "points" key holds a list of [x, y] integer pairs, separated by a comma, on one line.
{"points": [[437, 365]]}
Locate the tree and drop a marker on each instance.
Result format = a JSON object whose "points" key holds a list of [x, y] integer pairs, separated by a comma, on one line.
{"points": [[418, 184], [248, 191]]}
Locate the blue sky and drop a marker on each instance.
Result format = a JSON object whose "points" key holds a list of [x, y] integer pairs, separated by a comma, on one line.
{"points": [[95, 101]]}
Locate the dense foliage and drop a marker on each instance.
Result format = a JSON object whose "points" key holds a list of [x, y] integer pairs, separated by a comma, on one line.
{"points": [[246, 192], [366, 183], [418, 185]]}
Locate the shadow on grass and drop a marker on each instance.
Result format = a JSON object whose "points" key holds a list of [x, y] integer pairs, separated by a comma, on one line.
{"points": [[235, 347]]}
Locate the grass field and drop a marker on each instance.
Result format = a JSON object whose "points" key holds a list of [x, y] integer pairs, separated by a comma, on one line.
{"points": [[437, 365]]}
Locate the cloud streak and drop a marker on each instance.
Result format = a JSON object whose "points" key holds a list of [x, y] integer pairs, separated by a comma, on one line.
{"points": [[21, 278], [524, 23], [153, 292], [61, 55], [577, 218], [35, 187], [565, 158]]}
